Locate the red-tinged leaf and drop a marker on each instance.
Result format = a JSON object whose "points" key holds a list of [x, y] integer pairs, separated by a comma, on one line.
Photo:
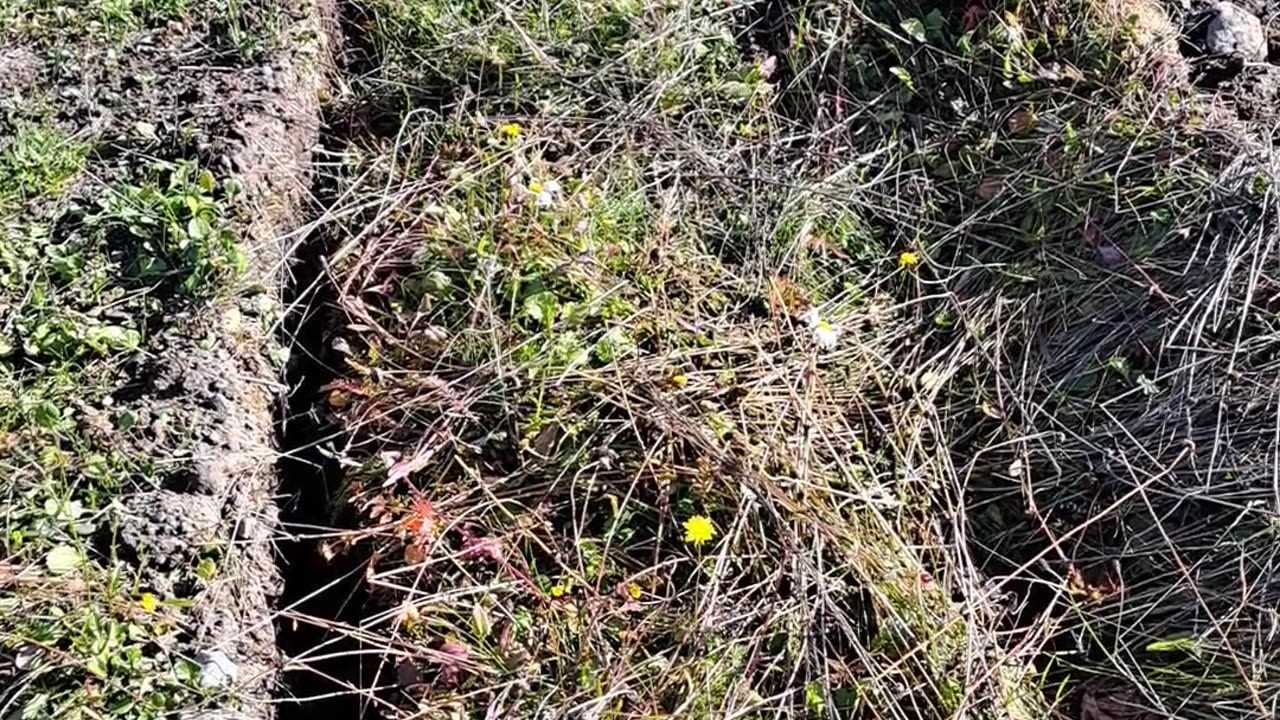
{"points": [[348, 387], [1109, 255], [972, 14], [422, 520], [453, 658], [482, 548], [416, 462], [415, 554], [407, 673], [768, 66]]}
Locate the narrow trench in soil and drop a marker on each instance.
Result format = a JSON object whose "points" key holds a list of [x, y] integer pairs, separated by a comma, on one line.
{"points": [[322, 590], [321, 664]]}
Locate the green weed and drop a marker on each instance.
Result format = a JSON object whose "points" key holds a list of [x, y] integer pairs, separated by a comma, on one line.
{"points": [[92, 648], [40, 161], [123, 16], [174, 225]]}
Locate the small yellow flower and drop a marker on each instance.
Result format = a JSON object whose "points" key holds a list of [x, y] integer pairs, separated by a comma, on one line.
{"points": [[908, 259], [535, 187], [510, 131], [680, 380], [699, 529], [148, 602], [634, 591], [559, 590]]}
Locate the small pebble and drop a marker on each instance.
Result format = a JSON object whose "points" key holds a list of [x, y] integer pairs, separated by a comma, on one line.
{"points": [[216, 669]]}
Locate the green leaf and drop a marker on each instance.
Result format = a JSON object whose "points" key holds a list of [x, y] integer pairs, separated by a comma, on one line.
{"points": [[1176, 644], [814, 700], [481, 622], [46, 415], [63, 560], [114, 337], [36, 707], [914, 27], [206, 181], [198, 228], [207, 569], [935, 22], [145, 130], [186, 672], [122, 707], [904, 77], [96, 666], [542, 307]]}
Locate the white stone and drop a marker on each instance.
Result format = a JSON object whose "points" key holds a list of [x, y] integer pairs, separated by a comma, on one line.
{"points": [[216, 669], [1236, 33]]}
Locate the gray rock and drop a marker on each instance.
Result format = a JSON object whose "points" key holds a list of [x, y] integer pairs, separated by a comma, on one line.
{"points": [[216, 669], [1236, 33]]}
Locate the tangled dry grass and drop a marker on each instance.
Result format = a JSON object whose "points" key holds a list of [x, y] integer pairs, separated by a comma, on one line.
{"points": [[956, 321]]}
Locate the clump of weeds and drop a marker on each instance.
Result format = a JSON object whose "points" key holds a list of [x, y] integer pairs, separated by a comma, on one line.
{"points": [[809, 358]]}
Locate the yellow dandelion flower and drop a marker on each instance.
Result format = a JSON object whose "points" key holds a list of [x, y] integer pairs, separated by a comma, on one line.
{"points": [[908, 259], [634, 591], [699, 529], [559, 590], [510, 131], [148, 602], [535, 187]]}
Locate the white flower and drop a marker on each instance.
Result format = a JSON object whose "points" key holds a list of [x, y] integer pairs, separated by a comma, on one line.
{"points": [[546, 194], [826, 336]]}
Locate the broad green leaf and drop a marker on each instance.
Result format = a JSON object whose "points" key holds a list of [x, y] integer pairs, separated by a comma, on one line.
{"points": [[63, 560], [914, 28]]}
